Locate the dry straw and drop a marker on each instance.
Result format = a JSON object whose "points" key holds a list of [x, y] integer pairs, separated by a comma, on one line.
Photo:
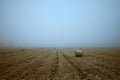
{"points": [[78, 53], [22, 49]]}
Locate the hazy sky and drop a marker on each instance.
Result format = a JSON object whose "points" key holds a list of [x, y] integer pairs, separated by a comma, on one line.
{"points": [[59, 23]]}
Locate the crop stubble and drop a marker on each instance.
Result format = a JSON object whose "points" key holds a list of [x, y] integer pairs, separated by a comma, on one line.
{"points": [[58, 64]]}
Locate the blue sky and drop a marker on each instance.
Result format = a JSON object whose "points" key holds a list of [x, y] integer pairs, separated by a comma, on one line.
{"points": [[59, 23]]}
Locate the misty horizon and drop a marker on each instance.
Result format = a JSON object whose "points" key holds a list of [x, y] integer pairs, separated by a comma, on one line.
{"points": [[62, 23]]}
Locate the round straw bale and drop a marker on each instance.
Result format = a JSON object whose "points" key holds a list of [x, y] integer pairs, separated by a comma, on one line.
{"points": [[22, 49], [78, 53]]}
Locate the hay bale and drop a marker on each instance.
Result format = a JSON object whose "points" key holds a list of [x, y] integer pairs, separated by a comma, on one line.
{"points": [[78, 53], [22, 49]]}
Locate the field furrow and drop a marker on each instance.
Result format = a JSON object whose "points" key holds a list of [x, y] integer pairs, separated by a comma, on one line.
{"points": [[59, 64]]}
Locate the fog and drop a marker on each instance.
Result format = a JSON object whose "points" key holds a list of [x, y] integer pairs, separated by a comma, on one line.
{"points": [[59, 23]]}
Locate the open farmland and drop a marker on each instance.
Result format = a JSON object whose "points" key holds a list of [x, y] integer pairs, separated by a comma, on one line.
{"points": [[59, 64]]}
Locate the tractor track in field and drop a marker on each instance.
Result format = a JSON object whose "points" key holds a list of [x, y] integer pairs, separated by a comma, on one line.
{"points": [[27, 58], [35, 69], [12, 54], [54, 67], [38, 63], [16, 72], [80, 72], [102, 57], [9, 54], [110, 75], [57, 64], [16, 54], [8, 75], [20, 62], [104, 64]]}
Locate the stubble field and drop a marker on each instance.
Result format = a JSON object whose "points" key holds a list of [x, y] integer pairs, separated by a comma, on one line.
{"points": [[60, 64]]}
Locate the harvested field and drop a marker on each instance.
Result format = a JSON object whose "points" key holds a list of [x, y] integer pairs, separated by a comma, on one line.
{"points": [[59, 64]]}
